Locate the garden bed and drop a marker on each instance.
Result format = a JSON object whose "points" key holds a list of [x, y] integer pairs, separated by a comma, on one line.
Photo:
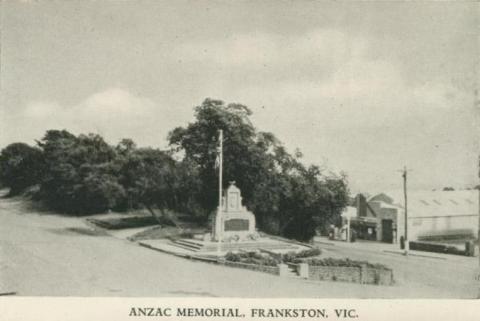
{"points": [[299, 257], [254, 258], [119, 223]]}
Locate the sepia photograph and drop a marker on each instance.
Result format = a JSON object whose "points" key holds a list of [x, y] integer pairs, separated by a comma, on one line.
{"points": [[239, 149]]}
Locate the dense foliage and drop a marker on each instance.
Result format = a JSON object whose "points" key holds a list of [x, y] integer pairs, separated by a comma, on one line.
{"points": [[287, 197], [85, 175], [79, 174], [20, 167]]}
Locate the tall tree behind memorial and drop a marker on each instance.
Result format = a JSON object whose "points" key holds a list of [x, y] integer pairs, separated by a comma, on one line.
{"points": [[286, 197]]}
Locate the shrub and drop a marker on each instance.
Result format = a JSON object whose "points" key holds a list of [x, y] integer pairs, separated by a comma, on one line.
{"points": [[232, 257], [294, 257], [310, 252], [252, 258], [290, 257]]}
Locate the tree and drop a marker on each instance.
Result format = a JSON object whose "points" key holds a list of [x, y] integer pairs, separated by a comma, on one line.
{"points": [[21, 166], [125, 147], [286, 197], [199, 141], [84, 175], [151, 178], [80, 175], [99, 189]]}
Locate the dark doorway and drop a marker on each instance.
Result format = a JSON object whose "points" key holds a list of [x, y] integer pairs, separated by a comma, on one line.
{"points": [[387, 231]]}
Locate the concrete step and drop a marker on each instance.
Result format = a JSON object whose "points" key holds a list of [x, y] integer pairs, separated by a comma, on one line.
{"points": [[292, 273], [196, 245], [189, 244], [247, 246], [184, 246]]}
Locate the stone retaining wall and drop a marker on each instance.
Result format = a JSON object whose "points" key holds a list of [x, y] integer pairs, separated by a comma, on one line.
{"points": [[377, 276], [254, 267], [334, 273], [364, 274]]}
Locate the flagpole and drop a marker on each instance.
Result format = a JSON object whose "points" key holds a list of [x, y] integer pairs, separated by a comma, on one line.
{"points": [[220, 178]]}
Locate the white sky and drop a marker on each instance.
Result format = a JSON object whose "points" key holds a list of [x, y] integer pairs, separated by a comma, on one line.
{"points": [[363, 88]]}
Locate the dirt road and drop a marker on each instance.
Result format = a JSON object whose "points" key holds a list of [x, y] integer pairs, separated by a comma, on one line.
{"points": [[46, 254]]}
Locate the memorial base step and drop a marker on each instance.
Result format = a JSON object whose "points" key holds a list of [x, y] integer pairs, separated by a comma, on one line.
{"points": [[199, 246]]}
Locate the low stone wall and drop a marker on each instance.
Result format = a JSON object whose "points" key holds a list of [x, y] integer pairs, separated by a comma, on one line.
{"points": [[377, 276], [334, 273], [364, 275], [458, 249], [254, 267]]}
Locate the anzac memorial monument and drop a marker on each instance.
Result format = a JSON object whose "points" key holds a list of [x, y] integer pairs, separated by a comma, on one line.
{"points": [[233, 222], [233, 228]]}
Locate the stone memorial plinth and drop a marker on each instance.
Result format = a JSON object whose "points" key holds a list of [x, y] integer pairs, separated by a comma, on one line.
{"points": [[233, 222]]}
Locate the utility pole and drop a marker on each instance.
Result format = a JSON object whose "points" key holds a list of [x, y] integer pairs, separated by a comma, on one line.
{"points": [[404, 175], [477, 276]]}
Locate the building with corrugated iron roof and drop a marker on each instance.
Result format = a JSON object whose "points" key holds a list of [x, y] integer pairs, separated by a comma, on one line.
{"points": [[432, 216]]}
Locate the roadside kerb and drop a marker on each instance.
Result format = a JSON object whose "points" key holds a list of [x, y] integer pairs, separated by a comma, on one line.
{"points": [[187, 256], [415, 254]]}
